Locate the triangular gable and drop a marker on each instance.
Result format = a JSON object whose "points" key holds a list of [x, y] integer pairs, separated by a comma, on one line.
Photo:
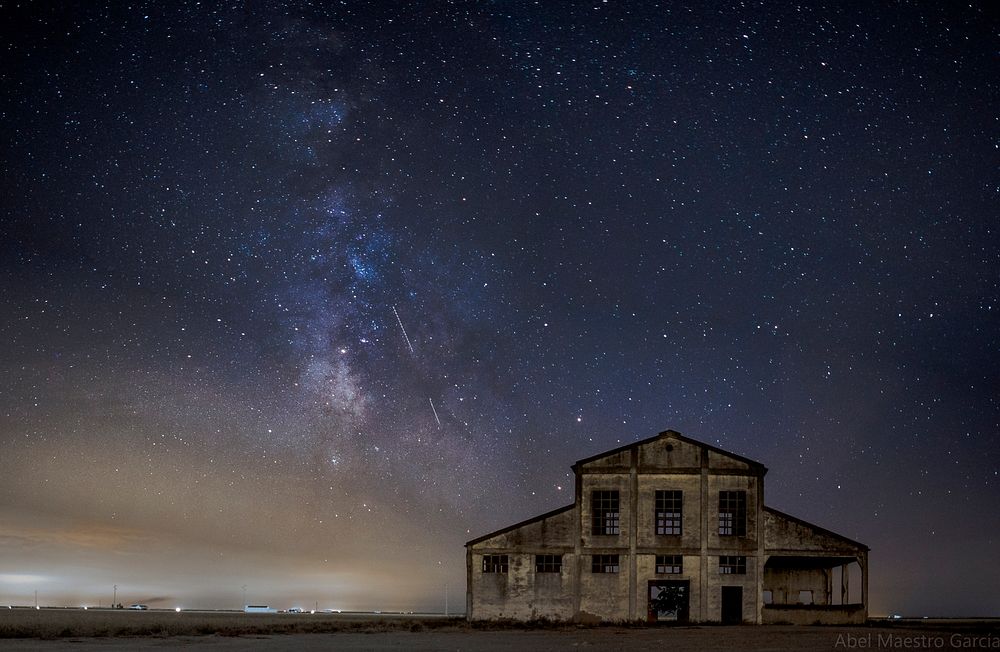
{"points": [[621, 456], [786, 533], [553, 528]]}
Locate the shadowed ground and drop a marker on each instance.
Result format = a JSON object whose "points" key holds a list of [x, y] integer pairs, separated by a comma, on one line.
{"points": [[163, 630]]}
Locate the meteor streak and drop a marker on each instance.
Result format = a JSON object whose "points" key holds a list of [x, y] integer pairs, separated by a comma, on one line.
{"points": [[435, 412], [405, 336]]}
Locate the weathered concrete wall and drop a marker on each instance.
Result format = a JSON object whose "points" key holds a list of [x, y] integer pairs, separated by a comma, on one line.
{"points": [[690, 538], [599, 482], [604, 595], [817, 615], [555, 532], [785, 584], [713, 590], [783, 533], [666, 455], [724, 544], [646, 571], [720, 461], [619, 460], [523, 593]]}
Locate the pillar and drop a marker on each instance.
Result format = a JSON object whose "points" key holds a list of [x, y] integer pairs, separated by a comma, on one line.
{"points": [[863, 560]]}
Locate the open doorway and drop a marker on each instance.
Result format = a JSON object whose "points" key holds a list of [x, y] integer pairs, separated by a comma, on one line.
{"points": [[732, 605], [669, 601]]}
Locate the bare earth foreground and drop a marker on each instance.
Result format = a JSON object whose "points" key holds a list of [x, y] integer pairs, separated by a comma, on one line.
{"points": [[56, 629]]}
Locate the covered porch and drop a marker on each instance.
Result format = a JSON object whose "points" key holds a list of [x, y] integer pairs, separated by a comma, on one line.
{"points": [[815, 588], [811, 575]]}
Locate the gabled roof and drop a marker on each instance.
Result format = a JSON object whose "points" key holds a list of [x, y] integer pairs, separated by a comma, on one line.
{"points": [[533, 519], [678, 436], [816, 528]]}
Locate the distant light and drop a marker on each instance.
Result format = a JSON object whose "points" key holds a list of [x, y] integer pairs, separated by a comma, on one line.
{"points": [[84, 608], [178, 609], [37, 607], [312, 611]]}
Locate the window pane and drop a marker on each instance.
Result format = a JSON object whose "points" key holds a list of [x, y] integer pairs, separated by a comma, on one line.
{"points": [[548, 563], [604, 564], [733, 513], [495, 563], [733, 565], [605, 514], [669, 508], [669, 564]]}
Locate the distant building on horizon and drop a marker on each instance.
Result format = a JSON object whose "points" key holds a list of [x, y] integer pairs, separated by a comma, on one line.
{"points": [[667, 528]]}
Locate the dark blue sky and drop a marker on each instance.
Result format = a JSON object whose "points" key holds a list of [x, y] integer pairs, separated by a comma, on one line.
{"points": [[303, 297]]}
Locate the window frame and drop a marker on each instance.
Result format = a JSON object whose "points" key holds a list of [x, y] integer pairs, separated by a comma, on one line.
{"points": [[548, 564], [732, 513], [496, 564], [605, 512], [669, 564], [600, 564], [668, 513], [732, 565]]}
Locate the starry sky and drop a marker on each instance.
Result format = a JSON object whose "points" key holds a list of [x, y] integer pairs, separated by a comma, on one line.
{"points": [[299, 297]]}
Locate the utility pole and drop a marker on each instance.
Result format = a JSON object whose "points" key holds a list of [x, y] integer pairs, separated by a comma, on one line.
{"points": [[114, 600], [244, 596], [36, 598], [446, 599]]}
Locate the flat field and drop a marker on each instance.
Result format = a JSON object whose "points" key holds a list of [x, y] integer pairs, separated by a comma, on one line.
{"points": [[80, 623], [56, 629]]}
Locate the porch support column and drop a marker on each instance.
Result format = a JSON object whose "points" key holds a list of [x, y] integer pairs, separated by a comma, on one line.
{"points": [[863, 560]]}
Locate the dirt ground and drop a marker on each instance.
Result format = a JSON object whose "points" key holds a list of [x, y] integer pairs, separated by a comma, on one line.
{"points": [[45, 630], [766, 638]]}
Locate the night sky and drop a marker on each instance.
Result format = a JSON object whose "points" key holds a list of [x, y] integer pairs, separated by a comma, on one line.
{"points": [[303, 297]]}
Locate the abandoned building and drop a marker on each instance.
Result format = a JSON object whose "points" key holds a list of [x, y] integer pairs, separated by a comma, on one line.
{"points": [[668, 528]]}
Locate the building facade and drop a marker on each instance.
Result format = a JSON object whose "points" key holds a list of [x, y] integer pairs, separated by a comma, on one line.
{"points": [[668, 528]]}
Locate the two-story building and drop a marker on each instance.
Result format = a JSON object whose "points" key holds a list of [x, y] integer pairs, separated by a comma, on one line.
{"points": [[668, 528]]}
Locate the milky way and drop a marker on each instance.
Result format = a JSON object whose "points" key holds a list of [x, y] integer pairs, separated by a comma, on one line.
{"points": [[302, 298]]}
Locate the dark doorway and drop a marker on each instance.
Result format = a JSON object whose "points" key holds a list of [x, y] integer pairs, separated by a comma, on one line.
{"points": [[732, 605], [668, 601]]}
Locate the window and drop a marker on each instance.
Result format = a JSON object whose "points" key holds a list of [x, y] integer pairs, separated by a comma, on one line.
{"points": [[669, 564], [668, 512], [733, 565], [494, 563], [767, 596], [733, 513], [604, 507], [548, 563], [604, 564]]}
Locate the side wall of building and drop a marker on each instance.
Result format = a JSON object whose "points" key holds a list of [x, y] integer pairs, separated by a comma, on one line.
{"points": [[522, 592]]}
